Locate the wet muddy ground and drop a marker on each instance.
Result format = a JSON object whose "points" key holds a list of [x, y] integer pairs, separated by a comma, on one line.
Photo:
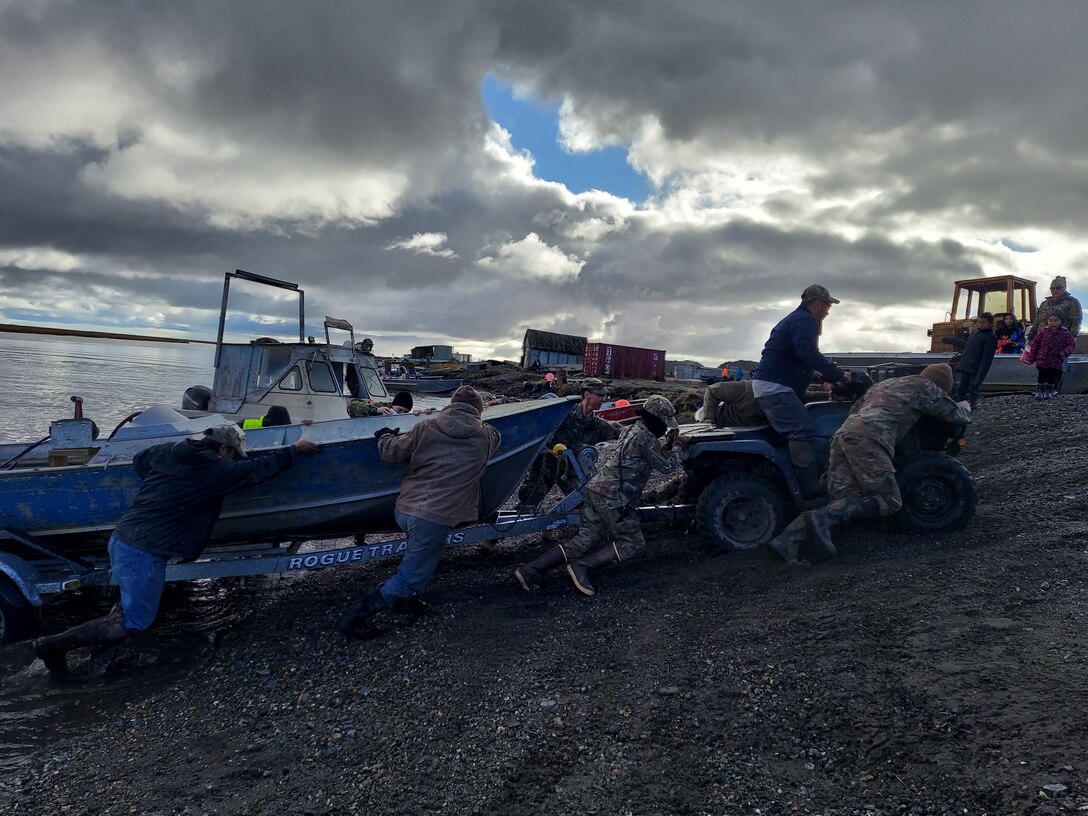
{"points": [[912, 674]]}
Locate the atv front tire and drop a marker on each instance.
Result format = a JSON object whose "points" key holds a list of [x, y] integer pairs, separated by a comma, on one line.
{"points": [[740, 511]]}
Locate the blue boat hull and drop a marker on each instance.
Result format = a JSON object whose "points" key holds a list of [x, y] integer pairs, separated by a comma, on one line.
{"points": [[346, 489]]}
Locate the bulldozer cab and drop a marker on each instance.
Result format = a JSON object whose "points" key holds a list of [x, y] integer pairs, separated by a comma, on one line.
{"points": [[998, 295]]}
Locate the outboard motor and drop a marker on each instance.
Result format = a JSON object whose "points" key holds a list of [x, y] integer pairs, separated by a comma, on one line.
{"points": [[196, 398]]}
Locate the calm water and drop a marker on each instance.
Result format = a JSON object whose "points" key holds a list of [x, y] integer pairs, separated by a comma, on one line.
{"points": [[114, 377]]}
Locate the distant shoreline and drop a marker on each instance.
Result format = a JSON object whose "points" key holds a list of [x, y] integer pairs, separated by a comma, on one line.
{"points": [[14, 329]]}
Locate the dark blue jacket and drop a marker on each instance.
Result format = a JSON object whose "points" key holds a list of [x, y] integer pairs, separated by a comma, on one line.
{"points": [[792, 353], [978, 354], [182, 494]]}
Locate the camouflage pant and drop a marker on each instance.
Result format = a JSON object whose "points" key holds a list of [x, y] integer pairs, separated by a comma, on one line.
{"points": [[861, 467], [602, 526]]}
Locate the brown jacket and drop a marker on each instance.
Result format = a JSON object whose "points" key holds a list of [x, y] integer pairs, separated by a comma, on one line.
{"points": [[448, 455]]}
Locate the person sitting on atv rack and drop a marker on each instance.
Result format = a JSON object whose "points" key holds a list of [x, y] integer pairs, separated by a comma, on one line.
{"points": [[785, 369], [860, 474]]}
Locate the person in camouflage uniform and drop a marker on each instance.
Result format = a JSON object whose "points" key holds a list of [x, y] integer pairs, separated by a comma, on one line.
{"points": [[1060, 303], [731, 403], [582, 428], [360, 408], [860, 474], [609, 517]]}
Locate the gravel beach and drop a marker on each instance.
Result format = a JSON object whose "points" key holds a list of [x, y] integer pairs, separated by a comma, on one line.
{"points": [[911, 675]]}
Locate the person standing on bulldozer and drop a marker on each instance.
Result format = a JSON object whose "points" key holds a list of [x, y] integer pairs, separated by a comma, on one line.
{"points": [[860, 474], [791, 354]]}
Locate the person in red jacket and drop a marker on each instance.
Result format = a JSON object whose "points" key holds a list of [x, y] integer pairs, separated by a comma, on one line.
{"points": [[1049, 348], [447, 457]]}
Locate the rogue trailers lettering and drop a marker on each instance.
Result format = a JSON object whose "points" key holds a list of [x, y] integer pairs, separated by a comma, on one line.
{"points": [[347, 556]]}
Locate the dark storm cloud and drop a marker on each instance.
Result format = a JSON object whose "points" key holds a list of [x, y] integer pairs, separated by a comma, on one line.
{"points": [[967, 116]]}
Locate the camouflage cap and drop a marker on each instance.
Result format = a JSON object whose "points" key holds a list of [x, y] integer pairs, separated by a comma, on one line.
{"points": [[817, 292], [662, 409], [230, 435], [595, 386]]}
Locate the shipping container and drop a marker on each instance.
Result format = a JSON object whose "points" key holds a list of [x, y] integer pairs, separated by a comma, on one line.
{"points": [[611, 360]]}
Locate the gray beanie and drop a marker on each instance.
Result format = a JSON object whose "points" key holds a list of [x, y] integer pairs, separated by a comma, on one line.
{"points": [[468, 395]]}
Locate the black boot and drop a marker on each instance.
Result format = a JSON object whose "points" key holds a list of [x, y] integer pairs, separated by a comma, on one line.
{"points": [[529, 575], [808, 475], [53, 650], [840, 511], [356, 624], [579, 569], [788, 543]]}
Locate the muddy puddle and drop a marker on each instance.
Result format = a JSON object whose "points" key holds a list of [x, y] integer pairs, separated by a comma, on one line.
{"points": [[37, 709]]}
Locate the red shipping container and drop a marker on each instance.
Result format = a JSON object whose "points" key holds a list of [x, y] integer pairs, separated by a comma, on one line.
{"points": [[611, 360]]}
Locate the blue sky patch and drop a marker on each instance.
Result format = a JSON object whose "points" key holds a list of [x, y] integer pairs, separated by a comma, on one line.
{"points": [[533, 125], [1016, 246]]}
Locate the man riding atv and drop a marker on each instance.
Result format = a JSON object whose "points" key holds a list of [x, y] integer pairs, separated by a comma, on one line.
{"points": [[861, 478]]}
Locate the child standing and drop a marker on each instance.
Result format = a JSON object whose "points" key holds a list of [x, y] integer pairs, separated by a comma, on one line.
{"points": [[1049, 348], [1010, 335], [975, 361]]}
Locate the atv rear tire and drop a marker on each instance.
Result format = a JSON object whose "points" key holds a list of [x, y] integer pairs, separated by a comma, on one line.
{"points": [[740, 511], [939, 494]]}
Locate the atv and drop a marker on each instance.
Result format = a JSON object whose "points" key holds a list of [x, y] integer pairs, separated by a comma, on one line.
{"points": [[745, 489]]}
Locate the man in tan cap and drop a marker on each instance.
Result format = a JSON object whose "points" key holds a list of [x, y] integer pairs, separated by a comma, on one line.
{"points": [[860, 475], [1060, 303], [171, 517], [791, 354]]}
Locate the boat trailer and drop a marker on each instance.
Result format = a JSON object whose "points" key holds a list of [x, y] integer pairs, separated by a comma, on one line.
{"points": [[26, 584]]}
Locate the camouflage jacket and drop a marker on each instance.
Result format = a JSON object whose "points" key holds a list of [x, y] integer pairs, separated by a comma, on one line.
{"points": [[1067, 308], [365, 408], [625, 466], [889, 410], [580, 429]]}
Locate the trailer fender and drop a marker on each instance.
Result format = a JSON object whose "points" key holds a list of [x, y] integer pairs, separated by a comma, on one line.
{"points": [[23, 576]]}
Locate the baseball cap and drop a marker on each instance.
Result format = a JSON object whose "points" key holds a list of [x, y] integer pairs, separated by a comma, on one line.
{"points": [[595, 386], [662, 409], [230, 435], [817, 292]]}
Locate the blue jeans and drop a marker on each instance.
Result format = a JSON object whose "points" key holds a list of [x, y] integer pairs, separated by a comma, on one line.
{"points": [[426, 540], [787, 415], [141, 577]]}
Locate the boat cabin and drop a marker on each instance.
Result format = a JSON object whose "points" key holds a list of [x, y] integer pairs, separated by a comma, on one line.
{"points": [[312, 380], [998, 295]]}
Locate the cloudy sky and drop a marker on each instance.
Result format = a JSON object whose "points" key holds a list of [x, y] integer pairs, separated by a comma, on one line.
{"points": [[654, 173]]}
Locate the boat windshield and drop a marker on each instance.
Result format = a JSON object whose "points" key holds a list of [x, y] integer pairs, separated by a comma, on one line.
{"points": [[374, 385]]}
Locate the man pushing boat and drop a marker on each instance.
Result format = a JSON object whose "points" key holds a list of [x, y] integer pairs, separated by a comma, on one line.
{"points": [[177, 505]]}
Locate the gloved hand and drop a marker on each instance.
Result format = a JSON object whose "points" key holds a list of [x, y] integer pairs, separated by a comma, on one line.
{"points": [[378, 434], [965, 405]]}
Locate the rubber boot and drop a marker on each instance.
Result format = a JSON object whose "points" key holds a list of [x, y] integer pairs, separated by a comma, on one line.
{"points": [[53, 650], [1038, 393], [356, 624], [788, 543], [579, 568], [1048, 392], [808, 475], [529, 575], [840, 511]]}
